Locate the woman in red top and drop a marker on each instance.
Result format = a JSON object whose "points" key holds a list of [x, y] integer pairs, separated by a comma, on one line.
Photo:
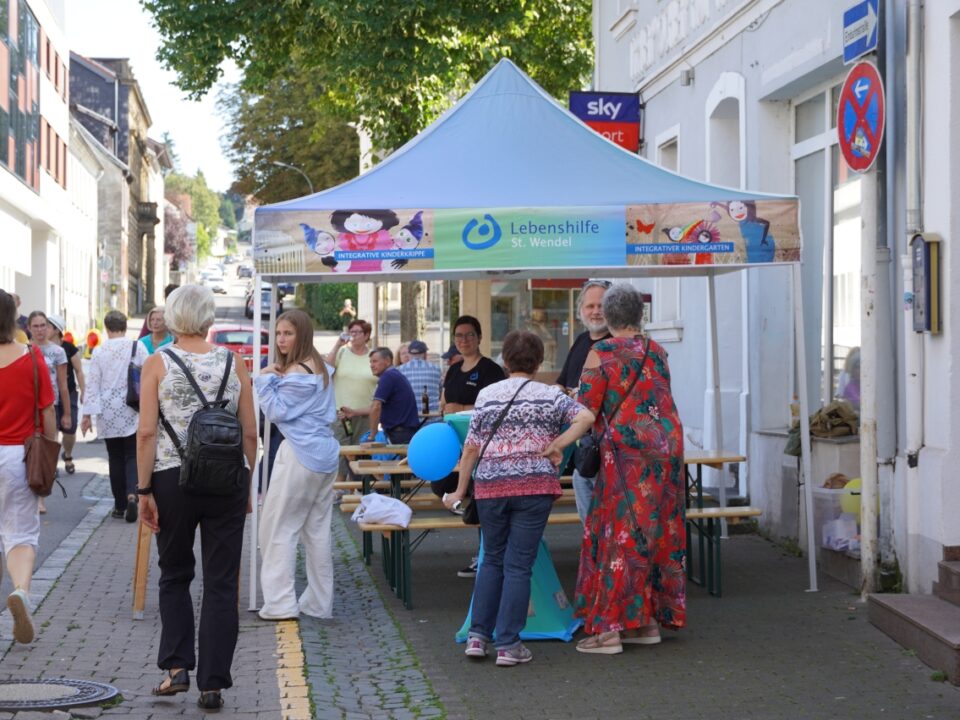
{"points": [[19, 514]]}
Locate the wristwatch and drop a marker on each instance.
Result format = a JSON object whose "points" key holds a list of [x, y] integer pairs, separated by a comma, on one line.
{"points": [[145, 491]]}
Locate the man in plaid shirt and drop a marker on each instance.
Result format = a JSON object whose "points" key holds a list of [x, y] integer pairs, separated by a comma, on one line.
{"points": [[422, 374]]}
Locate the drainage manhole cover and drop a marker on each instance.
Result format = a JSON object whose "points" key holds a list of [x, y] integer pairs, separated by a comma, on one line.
{"points": [[59, 693]]}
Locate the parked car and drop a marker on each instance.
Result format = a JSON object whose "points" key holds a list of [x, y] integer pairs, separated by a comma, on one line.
{"points": [[264, 304], [244, 271], [239, 339], [219, 289]]}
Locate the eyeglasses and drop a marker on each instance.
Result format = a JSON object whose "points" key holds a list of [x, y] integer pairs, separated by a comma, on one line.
{"points": [[464, 336], [605, 284], [356, 332]]}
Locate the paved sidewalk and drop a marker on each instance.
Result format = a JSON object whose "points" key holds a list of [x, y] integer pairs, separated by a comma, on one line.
{"points": [[766, 649]]}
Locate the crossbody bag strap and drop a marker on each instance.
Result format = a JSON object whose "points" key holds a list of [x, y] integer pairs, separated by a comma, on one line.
{"points": [[36, 390], [499, 421], [606, 422], [133, 350]]}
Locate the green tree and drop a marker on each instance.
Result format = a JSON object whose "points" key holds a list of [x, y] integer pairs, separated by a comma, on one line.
{"points": [[284, 123], [228, 213], [393, 67], [203, 242], [205, 202], [171, 146]]}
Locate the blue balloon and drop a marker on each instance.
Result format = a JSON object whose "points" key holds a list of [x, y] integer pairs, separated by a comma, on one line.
{"points": [[434, 451]]}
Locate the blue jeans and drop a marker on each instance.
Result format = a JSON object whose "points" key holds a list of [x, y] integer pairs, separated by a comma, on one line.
{"points": [[583, 494], [512, 528]]}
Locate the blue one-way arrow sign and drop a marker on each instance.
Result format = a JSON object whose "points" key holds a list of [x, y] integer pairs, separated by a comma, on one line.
{"points": [[860, 24]]}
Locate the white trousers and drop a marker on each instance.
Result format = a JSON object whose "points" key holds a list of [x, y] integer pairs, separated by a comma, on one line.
{"points": [[298, 507], [19, 514]]}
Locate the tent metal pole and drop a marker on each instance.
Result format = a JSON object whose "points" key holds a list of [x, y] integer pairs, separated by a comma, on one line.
{"points": [[717, 405], [804, 423], [254, 519]]}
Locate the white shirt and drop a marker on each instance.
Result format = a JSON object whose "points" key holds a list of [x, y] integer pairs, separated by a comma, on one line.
{"points": [[106, 391]]}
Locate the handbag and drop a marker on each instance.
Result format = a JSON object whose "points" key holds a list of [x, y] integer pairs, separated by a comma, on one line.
{"points": [[40, 452], [133, 380], [471, 514], [586, 457]]}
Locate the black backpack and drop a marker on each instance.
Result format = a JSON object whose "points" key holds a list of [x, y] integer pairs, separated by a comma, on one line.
{"points": [[212, 460]]}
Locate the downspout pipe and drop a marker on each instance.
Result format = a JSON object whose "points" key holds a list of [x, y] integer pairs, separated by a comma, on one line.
{"points": [[913, 341]]}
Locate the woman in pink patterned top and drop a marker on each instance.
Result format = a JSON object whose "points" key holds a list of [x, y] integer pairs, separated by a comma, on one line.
{"points": [[515, 484]]}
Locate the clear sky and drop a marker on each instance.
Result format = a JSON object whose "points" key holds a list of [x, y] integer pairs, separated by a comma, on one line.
{"points": [[121, 28]]}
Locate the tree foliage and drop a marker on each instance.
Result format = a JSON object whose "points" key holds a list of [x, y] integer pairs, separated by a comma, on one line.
{"points": [[228, 213], [285, 123], [393, 67], [204, 201], [176, 239], [325, 300]]}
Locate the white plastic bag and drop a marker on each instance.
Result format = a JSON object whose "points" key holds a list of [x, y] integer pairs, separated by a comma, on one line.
{"points": [[381, 509]]}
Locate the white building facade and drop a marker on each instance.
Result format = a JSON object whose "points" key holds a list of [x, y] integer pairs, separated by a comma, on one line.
{"points": [[744, 93], [35, 131]]}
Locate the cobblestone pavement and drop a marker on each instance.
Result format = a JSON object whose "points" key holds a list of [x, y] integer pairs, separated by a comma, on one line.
{"points": [[359, 663], [766, 649]]}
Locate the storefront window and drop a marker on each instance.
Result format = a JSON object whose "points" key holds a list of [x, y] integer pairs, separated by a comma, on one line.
{"points": [[549, 313]]}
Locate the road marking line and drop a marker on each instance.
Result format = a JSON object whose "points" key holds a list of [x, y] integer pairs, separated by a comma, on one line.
{"points": [[291, 682]]}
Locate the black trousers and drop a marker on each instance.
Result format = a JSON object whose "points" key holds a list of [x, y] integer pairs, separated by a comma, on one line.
{"points": [[221, 520], [122, 461], [400, 435]]}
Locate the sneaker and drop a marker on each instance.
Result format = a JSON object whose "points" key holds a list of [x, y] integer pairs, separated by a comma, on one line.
{"points": [[470, 571], [116, 513], [514, 656], [19, 605], [130, 514], [476, 648]]}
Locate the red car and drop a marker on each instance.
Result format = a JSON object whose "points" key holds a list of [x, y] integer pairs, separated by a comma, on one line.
{"points": [[239, 339]]}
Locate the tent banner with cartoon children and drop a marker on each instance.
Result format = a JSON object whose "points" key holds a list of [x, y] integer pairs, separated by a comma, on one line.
{"points": [[734, 232]]}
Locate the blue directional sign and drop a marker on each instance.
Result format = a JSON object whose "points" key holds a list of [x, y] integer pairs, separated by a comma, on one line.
{"points": [[860, 29]]}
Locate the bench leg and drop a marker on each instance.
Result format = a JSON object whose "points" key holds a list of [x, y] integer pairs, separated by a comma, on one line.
{"points": [[714, 568], [407, 594]]}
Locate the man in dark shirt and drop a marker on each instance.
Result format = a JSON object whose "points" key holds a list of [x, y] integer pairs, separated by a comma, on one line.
{"points": [[394, 404], [590, 308]]}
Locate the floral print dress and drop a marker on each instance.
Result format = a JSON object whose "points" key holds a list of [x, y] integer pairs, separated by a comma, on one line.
{"points": [[633, 556]]}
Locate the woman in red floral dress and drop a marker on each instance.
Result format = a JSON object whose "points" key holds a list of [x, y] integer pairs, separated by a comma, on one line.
{"points": [[631, 578]]}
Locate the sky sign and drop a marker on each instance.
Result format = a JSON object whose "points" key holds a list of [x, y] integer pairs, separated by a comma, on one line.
{"points": [[614, 115]]}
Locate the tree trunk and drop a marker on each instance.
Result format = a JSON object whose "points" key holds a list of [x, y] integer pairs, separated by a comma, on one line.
{"points": [[413, 323]]}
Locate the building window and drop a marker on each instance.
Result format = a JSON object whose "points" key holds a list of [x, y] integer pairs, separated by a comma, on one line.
{"points": [[830, 220]]}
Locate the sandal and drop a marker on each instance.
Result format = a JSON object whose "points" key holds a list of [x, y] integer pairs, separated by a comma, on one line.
{"points": [[210, 700], [642, 636], [176, 682], [607, 643], [68, 465]]}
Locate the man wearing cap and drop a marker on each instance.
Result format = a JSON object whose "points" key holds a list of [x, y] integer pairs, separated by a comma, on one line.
{"points": [[394, 405], [424, 376], [452, 355], [75, 380], [590, 309]]}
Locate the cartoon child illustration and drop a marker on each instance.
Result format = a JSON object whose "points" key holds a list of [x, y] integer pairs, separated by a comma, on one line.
{"points": [[704, 232], [323, 244], [407, 238], [364, 230], [677, 234], [760, 245]]}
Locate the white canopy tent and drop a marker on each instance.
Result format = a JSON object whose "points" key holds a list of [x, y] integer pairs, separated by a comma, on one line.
{"points": [[507, 184]]}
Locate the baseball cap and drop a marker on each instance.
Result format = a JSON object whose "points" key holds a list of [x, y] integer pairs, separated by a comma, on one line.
{"points": [[57, 322], [417, 347], [450, 353]]}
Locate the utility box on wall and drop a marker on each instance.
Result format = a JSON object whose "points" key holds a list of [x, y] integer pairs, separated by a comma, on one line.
{"points": [[925, 251]]}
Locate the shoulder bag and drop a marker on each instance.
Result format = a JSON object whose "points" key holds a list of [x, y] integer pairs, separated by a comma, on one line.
{"points": [[586, 457], [40, 452], [471, 515], [133, 379]]}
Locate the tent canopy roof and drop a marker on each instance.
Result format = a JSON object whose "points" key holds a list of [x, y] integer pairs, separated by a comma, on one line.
{"points": [[507, 143]]}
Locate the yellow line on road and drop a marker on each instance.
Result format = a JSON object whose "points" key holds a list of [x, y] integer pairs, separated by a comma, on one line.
{"points": [[291, 682]]}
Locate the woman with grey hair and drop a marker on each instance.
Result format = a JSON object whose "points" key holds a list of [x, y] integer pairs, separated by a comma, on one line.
{"points": [[631, 579], [168, 395]]}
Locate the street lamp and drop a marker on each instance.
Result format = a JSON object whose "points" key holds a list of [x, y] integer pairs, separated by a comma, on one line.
{"points": [[295, 168]]}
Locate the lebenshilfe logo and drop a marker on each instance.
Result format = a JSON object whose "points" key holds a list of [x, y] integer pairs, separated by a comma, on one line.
{"points": [[490, 227]]}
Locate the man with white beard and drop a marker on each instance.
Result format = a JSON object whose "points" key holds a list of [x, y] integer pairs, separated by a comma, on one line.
{"points": [[590, 308]]}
